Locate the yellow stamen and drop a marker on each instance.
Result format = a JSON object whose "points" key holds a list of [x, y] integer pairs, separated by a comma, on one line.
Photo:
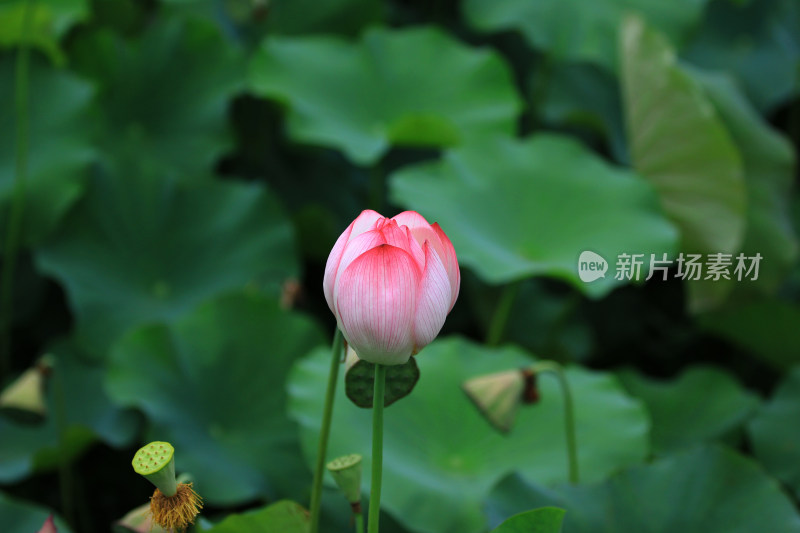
{"points": [[176, 513]]}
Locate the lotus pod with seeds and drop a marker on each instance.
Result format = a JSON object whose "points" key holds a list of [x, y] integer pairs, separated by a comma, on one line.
{"points": [[173, 505], [156, 462], [346, 471]]}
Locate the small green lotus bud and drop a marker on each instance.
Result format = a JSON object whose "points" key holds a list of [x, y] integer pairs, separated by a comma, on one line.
{"points": [[498, 396], [346, 471], [156, 462]]}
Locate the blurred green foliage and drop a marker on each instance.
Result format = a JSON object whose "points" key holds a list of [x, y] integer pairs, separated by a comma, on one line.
{"points": [[706, 489], [190, 164], [440, 463]]}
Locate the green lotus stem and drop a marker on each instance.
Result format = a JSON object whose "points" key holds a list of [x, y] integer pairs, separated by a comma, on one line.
{"points": [[497, 325], [359, 518], [327, 414], [569, 414], [21, 97], [66, 483], [377, 449]]}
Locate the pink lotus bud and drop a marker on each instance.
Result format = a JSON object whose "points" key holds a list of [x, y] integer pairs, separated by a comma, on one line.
{"points": [[391, 284], [49, 526]]}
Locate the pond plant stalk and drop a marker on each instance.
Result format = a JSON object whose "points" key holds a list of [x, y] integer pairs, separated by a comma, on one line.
{"points": [[65, 480], [497, 325], [377, 449], [569, 414], [21, 105], [358, 515], [327, 415]]}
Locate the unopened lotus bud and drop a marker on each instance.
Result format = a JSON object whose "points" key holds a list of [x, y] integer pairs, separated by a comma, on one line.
{"points": [[346, 471], [391, 282]]}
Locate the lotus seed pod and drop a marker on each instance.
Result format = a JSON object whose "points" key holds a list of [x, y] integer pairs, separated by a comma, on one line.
{"points": [[346, 471], [156, 462], [497, 396]]}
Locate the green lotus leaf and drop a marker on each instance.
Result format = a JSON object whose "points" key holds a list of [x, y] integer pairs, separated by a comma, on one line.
{"points": [[758, 42], [774, 432], [698, 491], [394, 87], [520, 208], [679, 144], [585, 98], [769, 166], [164, 94], [59, 149], [681, 421], [580, 31], [142, 248], [359, 380], [441, 457], [765, 328], [544, 520], [284, 516], [212, 384]]}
